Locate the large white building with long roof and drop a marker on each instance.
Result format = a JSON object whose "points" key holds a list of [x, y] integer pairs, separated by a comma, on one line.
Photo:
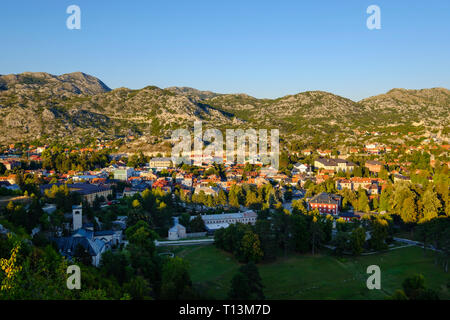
{"points": [[216, 221]]}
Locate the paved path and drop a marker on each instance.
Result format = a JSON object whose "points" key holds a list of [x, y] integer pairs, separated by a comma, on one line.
{"points": [[183, 242], [170, 254], [389, 249], [416, 243], [373, 252]]}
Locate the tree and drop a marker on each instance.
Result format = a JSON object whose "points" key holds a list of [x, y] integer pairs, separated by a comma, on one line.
{"points": [[357, 240], [403, 203], [409, 213], [379, 233], [93, 294], [176, 282], [240, 288], [431, 205], [383, 174], [142, 236], [233, 197], [299, 206], [251, 200], [399, 295], [82, 254], [358, 171], [363, 201], [300, 232], [117, 264], [185, 220], [375, 203], [230, 238], [342, 242], [197, 224], [282, 228], [414, 288], [316, 234], [439, 229], [263, 229], [138, 288], [136, 203], [11, 268], [327, 227], [43, 276], [222, 198], [247, 284], [251, 247]]}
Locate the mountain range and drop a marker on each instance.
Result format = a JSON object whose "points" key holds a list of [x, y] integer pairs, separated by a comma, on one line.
{"points": [[79, 108]]}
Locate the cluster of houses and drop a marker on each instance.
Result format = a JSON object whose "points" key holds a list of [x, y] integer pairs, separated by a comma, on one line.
{"points": [[373, 186], [161, 173], [189, 183]]}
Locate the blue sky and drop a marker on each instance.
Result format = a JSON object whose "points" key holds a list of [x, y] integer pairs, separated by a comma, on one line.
{"points": [[263, 48]]}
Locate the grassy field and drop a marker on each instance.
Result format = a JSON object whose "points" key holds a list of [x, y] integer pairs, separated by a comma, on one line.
{"points": [[319, 277]]}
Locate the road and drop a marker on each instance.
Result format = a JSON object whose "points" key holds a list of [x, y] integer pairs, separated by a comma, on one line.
{"points": [[416, 243]]}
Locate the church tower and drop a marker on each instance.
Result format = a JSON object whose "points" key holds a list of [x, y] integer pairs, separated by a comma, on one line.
{"points": [[77, 216]]}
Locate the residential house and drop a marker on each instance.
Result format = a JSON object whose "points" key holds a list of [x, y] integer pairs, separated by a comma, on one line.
{"points": [[374, 166], [301, 168], [326, 203]]}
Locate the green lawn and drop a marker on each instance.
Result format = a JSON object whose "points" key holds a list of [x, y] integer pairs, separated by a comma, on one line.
{"points": [[319, 277]]}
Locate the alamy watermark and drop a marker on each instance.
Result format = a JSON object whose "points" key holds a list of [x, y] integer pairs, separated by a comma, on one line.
{"points": [[74, 280], [374, 20], [74, 20], [374, 281], [182, 151]]}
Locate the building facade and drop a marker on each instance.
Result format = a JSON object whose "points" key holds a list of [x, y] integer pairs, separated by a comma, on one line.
{"points": [[216, 221], [160, 163], [326, 203], [123, 174], [334, 164]]}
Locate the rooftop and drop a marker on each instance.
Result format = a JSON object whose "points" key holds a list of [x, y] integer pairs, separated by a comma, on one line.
{"points": [[324, 197], [81, 188]]}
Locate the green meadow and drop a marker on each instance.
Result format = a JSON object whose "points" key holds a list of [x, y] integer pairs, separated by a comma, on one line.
{"points": [[322, 276]]}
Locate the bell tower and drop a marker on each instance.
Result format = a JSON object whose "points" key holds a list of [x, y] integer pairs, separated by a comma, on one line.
{"points": [[77, 217]]}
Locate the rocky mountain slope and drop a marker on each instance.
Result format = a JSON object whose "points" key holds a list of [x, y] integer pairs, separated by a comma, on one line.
{"points": [[79, 108], [428, 106], [43, 83], [193, 93]]}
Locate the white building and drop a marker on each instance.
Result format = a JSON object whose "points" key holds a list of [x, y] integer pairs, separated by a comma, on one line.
{"points": [[123, 174], [160, 163], [178, 231], [301, 168], [207, 190], [217, 221]]}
